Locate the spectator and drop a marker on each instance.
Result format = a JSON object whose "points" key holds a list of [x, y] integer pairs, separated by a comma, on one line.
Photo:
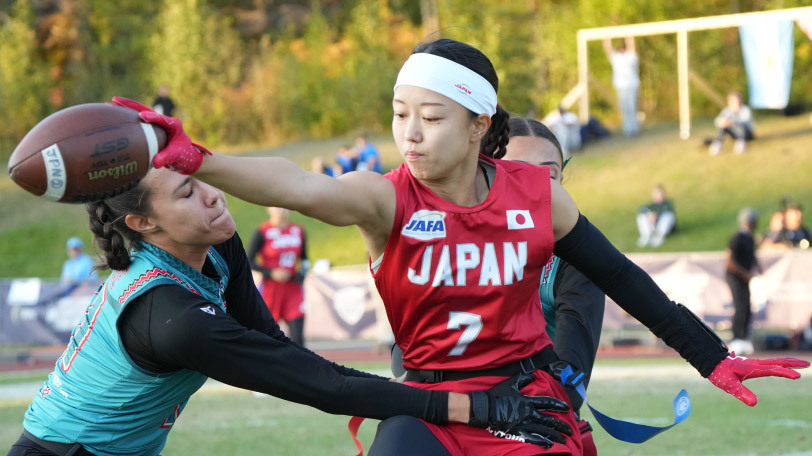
{"points": [[368, 157], [278, 251], [567, 130], [775, 237], [78, 268], [593, 129], [346, 159], [656, 220], [735, 120], [795, 232], [740, 268], [163, 104], [626, 79], [571, 134]]}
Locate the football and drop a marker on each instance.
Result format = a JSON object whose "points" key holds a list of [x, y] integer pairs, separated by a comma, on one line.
{"points": [[85, 153]]}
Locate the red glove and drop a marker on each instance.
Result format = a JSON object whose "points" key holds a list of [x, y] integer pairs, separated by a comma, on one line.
{"points": [[180, 153], [733, 370]]}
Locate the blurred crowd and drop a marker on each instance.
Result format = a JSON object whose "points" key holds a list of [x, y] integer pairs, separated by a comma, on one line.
{"points": [[362, 156]]}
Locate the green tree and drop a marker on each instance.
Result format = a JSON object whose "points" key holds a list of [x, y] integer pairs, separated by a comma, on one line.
{"points": [[117, 38], [23, 77], [198, 55]]}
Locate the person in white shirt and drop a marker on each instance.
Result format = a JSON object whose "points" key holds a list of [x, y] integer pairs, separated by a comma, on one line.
{"points": [[735, 120], [626, 80], [567, 129]]}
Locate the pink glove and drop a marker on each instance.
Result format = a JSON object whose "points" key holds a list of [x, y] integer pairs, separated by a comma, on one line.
{"points": [[733, 370], [180, 153]]}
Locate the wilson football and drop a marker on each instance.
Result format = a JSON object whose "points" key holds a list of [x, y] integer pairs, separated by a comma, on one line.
{"points": [[85, 153]]}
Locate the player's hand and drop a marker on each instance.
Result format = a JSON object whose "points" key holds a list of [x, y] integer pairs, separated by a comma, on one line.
{"points": [[505, 412], [733, 370], [180, 153]]}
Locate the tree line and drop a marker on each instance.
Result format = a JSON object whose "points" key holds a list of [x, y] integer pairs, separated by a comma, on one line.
{"points": [[259, 72]]}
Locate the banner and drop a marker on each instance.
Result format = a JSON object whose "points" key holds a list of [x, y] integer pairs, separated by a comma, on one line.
{"points": [[768, 48], [343, 304], [781, 297], [37, 311]]}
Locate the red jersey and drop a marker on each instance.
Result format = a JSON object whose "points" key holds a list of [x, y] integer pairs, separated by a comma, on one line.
{"points": [[282, 249], [460, 284]]}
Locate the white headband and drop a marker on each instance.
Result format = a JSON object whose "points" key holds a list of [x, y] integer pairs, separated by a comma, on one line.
{"points": [[450, 79]]}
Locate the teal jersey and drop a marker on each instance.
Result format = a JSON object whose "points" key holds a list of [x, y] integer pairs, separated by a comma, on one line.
{"points": [[546, 294], [97, 395]]}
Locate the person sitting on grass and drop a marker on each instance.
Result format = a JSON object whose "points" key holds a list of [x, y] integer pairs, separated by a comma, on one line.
{"points": [[736, 121], [656, 220]]}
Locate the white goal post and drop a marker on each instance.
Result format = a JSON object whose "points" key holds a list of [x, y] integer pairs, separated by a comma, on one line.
{"points": [[681, 27]]}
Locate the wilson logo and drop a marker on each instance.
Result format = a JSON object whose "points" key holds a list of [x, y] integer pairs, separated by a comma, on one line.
{"points": [[425, 225], [463, 88], [114, 172]]}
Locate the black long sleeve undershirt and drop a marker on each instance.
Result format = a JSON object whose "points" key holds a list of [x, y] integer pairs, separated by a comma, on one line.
{"points": [[586, 248], [169, 328], [632, 289]]}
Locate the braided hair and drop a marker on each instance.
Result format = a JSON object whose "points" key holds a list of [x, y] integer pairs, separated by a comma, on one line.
{"points": [[110, 232], [496, 138]]}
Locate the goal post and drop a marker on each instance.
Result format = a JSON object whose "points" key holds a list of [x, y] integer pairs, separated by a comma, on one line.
{"points": [[680, 27]]}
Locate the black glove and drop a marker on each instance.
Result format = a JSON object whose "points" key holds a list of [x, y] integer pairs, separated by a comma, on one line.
{"points": [[509, 414]]}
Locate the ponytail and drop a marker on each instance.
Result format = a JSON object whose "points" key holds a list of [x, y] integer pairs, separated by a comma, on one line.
{"points": [[110, 232], [495, 141]]}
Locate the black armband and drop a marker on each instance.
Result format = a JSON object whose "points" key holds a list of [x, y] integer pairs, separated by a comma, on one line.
{"points": [[437, 409], [478, 416], [683, 331]]}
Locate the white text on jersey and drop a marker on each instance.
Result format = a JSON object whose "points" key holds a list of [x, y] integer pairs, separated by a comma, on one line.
{"points": [[283, 241], [470, 257]]}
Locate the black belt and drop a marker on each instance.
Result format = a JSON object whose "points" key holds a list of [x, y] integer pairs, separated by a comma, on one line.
{"points": [[540, 360], [61, 449]]}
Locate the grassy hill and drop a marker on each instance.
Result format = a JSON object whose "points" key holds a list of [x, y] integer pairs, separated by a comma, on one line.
{"points": [[609, 180]]}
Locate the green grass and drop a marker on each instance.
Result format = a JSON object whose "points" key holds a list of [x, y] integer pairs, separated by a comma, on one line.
{"points": [[610, 180], [236, 422]]}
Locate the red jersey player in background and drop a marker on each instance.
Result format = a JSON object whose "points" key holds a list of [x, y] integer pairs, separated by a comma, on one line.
{"points": [[457, 243], [276, 251]]}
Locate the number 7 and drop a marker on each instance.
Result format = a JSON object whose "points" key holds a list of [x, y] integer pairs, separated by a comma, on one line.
{"points": [[474, 326]]}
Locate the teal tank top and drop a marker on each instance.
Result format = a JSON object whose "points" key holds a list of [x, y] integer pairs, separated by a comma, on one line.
{"points": [[547, 296], [97, 395]]}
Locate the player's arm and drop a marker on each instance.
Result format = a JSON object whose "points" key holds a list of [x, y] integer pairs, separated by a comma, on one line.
{"points": [[245, 304], [365, 199], [356, 198], [564, 211], [607, 47], [586, 248], [187, 332], [630, 46]]}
